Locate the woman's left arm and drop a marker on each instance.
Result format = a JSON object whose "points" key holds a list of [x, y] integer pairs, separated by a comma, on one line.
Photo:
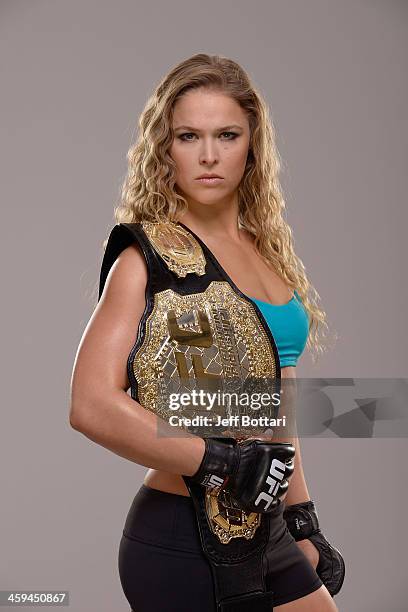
{"points": [[301, 517], [298, 493]]}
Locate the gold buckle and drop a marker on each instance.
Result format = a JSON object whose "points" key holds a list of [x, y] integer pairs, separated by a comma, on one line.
{"points": [[226, 520]]}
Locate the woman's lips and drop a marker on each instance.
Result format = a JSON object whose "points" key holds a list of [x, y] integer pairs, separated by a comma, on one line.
{"points": [[210, 181]]}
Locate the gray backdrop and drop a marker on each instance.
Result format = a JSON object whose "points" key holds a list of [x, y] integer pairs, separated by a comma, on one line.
{"points": [[75, 76]]}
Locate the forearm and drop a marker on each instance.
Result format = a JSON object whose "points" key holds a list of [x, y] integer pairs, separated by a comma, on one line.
{"points": [[326, 560], [117, 422], [298, 491]]}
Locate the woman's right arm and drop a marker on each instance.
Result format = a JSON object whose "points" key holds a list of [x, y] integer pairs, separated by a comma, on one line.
{"points": [[100, 407]]}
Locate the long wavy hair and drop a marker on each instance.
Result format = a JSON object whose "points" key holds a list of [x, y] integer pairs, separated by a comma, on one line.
{"points": [[149, 191]]}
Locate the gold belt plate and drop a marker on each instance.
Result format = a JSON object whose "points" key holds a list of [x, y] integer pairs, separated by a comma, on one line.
{"points": [[213, 338], [226, 520]]}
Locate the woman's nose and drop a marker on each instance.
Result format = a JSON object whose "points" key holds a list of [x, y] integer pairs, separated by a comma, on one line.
{"points": [[209, 152]]}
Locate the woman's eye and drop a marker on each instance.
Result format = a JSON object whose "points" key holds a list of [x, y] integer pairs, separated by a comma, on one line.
{"points": [[183, 136], [233, 135]]}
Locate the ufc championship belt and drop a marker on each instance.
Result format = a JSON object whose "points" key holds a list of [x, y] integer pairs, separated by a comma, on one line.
{"points": [[198, 330]]}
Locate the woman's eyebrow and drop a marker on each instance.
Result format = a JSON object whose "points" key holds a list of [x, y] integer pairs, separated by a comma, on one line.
{"points": [[221, 129]]}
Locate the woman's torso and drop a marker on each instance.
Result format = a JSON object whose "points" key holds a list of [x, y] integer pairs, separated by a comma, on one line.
{"points": [[257, 280]]}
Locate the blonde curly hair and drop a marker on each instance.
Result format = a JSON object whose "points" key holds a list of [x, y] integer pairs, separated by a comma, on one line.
{"points": [[149, 193]]}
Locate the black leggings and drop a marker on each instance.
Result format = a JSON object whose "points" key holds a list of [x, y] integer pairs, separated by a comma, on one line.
{"points": [[162, 567]]}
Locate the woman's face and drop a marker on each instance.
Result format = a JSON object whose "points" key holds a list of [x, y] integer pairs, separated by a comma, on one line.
{"points": [[211, 136]]}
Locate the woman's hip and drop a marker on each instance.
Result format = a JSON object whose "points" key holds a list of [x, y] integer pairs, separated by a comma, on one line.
{"points": [[162, 565]]}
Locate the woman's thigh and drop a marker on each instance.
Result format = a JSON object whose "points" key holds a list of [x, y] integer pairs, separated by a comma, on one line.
{"points": [[318, 601]]}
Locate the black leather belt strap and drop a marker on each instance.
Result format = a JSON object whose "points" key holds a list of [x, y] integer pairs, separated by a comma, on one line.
{"points": [[237, 567]]}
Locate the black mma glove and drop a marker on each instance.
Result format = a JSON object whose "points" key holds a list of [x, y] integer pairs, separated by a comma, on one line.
{"points": [[303, 523], [255, 473]]}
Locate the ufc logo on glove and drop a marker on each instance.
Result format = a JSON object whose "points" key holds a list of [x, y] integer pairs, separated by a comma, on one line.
{"points": [[277, 472]]}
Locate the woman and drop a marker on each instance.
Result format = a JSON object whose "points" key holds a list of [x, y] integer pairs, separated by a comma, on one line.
{"points": [[206, 167]]}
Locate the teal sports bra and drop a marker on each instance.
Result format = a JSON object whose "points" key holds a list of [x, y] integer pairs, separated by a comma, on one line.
{"points": [[289, 324]]}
